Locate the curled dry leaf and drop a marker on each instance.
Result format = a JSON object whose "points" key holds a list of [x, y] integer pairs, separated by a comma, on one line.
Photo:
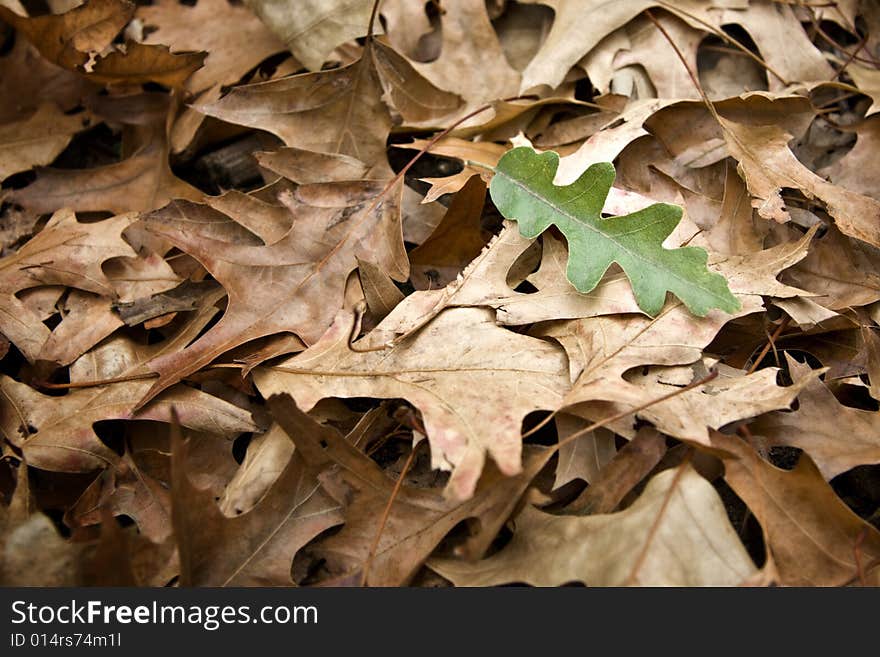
{"points": [[454, 243], [339, 221], [37, 139], [68, 39], [313, 28], [338, 111], [768, 165], [65, 252], [235, 40], [142, 182]]}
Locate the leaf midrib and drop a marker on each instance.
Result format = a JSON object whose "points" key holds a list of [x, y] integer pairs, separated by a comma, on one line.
{"points": [[607, 237]]}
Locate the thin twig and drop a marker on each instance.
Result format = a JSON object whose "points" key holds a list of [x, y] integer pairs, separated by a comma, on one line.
{"points": [[771, 344], [721, 34], [622, 414], [681, 57]]}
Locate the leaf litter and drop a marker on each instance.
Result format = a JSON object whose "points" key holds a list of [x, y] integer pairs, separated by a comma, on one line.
{"points": [[448, 294]]}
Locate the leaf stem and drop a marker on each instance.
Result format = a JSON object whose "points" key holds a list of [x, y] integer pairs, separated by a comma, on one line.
{"points": [[368, 562]]}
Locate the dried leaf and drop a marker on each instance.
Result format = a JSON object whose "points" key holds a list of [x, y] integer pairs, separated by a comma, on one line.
{"points": [[255, 548], [418, 519], [676, 534], [426, 371], [812, 535], [837, 438], [313, 28], [65, 252]]}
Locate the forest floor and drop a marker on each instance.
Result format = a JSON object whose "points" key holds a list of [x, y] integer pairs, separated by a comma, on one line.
{"points": [[445, 293]]}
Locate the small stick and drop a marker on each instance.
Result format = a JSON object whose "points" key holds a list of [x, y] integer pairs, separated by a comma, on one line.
{"points": [[771, 344]]}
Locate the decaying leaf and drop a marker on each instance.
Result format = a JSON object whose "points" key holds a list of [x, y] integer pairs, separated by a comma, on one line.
{"points": [[69, 38], [65, 252], [341, 110], [419, 518], [675, 534], [37, 139], [813, 537], [313, 28], [255, 548], [767, 165], [427, 371], [340, 220], [836, 437]]}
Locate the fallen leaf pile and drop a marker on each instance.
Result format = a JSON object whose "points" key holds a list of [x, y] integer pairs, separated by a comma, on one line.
{"points": [[457, 293]]}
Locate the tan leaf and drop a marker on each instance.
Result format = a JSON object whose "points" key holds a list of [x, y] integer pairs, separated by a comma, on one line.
{"points": [[29, 81], [37, 139], [676, 534], [339, 111], [470, 44], [813, 536], [841, 272], [427, 370], [568, 42], [585, 456], [689, 415], [414, 97], [621, 474], [125, 490], [303, 275], [782, 41], [407, 23], [252, 549], [738, 230], [837, 437], [57, 433], [853, 171], [305, 167], [68, 39], [142, 182], [234, 38], [313, 28], [134, 278], [454, 243], [65, 252], [418, 519], [87, 319], [267, 457], [141, 63], [767, 165], [868, 81], [380, 292]]}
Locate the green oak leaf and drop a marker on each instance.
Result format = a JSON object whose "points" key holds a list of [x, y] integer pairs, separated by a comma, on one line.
{"points": [[523, 190]]}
